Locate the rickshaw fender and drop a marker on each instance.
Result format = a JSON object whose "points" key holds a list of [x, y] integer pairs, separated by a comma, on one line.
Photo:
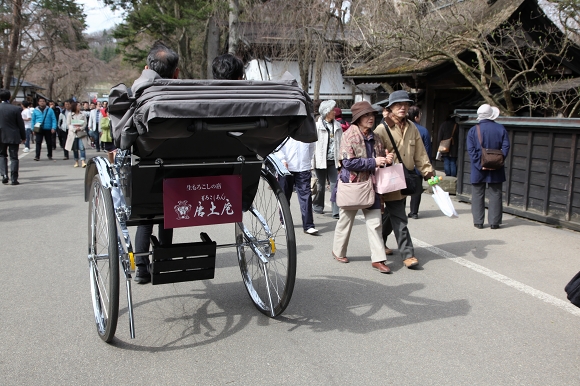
{"points": [[100, 166]]}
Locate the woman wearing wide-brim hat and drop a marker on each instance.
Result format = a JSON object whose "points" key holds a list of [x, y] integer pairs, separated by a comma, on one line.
{"points": [[360, 154]]}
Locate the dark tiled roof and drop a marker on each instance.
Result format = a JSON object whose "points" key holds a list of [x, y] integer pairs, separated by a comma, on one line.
{"points": [[24, 83]]}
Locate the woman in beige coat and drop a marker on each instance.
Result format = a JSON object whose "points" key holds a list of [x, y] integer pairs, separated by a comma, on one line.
{"points": [[74, 139]]}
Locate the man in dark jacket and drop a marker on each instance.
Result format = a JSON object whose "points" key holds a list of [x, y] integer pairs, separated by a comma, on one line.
{"points": [[163, 60], [449, 129], [12, 133], [493, 136]]}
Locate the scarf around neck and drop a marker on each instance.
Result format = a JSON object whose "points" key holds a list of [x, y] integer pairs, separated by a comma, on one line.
{"points": [[353, 146]]}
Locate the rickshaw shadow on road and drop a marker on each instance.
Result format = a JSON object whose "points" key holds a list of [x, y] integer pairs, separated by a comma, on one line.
{"points": [[212, 312], [361, 306]]}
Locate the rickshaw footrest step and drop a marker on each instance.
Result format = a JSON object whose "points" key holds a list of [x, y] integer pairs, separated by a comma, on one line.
{"points": [[183, 262]]}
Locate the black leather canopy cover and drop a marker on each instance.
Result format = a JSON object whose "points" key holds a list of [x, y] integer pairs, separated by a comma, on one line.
{"points": [[260, 114]]}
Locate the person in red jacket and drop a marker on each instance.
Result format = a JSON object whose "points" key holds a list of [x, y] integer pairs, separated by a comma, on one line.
{"points": [[338, 117]]}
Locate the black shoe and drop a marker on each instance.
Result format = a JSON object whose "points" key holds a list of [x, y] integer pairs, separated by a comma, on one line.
{"points": [[50, 158], [15, 183], [413, 215], [65, 159], [494, 227], [335, 216], [36, 159], [478, 226], [5, 180], [142, 275]]}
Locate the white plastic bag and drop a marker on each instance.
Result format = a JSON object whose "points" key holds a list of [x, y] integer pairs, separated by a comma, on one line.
{"points": [[443, 201]]}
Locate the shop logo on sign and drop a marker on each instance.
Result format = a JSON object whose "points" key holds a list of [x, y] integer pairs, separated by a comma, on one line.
{"points": [[202, 201], [182, 210]]}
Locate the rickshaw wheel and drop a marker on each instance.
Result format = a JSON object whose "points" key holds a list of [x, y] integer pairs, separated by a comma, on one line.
{"points": [[103, 260], [267, 228]]}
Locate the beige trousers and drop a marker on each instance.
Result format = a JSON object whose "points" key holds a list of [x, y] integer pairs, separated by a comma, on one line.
{"points": [[374, 231]]}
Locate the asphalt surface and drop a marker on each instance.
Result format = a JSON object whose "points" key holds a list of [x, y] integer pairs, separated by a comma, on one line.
{"points": [[487, 307]]}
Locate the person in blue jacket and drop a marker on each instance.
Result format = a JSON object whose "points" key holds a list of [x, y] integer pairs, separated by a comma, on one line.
{"points": [[414, 116], [44, 116], [493, 136]]}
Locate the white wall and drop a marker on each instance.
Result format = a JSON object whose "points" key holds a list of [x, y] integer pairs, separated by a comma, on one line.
{"points": [[333, 86]]}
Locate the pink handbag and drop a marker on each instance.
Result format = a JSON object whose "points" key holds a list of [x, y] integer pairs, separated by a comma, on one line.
{"points": [[390, 178]]}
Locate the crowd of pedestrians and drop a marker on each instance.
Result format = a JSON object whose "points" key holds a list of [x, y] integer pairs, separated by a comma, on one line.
{"points": [[67, 124], [344, 153], [351, 152]]}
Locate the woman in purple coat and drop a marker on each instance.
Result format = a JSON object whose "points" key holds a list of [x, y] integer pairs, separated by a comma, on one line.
{"points": [[360, 155], [493, 136]]}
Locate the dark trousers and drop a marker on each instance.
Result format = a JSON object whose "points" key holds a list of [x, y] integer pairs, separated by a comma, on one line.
{"points": [[54, 140], [395, 220], [330, 174], [11, 149], [62, 140], [143, 237], [96, 139], [47, 135], [450, 166], [415, 202], [301, 180], [495, 207]]}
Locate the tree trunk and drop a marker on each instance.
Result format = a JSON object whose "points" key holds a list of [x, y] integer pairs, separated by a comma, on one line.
{"points": [[304, 58], [212, 45], [233, 26], [318, 66], [14, 43]]}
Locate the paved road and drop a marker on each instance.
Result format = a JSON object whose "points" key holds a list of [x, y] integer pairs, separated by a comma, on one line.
{"points": [[487, 307]]}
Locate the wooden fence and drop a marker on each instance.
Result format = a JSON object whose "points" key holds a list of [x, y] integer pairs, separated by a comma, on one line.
{"points": [[542, 169]]}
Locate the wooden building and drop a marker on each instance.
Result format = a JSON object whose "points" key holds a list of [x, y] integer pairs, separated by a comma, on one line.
{"points": [[438, 86], [542, 169]]}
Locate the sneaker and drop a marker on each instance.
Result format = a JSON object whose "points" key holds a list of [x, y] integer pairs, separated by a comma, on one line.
{"points": [[311, 231], [26, 150], [5, 180], [142, 275]]}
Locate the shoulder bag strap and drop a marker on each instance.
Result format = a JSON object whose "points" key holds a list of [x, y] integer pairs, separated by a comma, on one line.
{"points": [[393, 142], [44, 116], [479, 136], [453, 132]]}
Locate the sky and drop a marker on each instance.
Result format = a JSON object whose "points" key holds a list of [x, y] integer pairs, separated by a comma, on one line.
{"points": [[99, 17]]}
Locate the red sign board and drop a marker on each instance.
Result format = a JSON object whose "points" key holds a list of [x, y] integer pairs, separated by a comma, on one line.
{"points": [[197, 201]]}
